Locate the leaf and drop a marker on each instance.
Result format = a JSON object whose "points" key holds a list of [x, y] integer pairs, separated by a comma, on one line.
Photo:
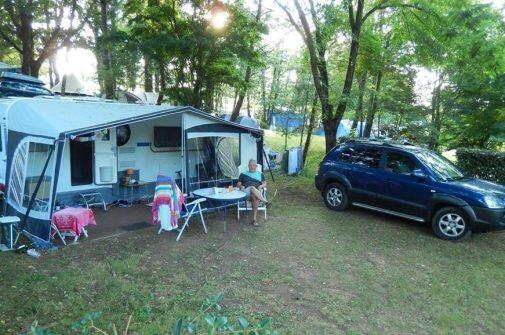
{"points": [[177, 328], [243, 322], [209, 319], [265, 323]]}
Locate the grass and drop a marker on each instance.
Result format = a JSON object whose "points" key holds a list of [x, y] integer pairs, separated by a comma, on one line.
{"points": [[314, 271]]}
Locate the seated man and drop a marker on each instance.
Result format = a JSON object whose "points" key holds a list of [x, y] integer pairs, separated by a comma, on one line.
{"points": [[251, 182]]}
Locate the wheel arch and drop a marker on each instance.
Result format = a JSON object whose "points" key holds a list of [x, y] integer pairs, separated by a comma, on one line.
{"points": [[440, 201], [336, 177]]}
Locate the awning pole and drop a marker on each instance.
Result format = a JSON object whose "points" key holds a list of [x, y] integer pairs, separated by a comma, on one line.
{"points": [[268, 163], [32, 199]]}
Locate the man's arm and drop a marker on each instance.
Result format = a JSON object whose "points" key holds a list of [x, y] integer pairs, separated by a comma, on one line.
{"points": [[263, 182], [240, 182]]}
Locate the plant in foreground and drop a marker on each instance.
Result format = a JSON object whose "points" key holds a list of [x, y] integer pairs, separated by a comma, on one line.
{"points": [[209, 320]]}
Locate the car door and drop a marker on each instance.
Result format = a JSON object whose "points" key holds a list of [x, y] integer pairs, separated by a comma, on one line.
{"points": [[362, 162], [403, 192]]}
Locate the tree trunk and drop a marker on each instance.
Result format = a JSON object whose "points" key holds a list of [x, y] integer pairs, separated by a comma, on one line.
{"points": [[26, 37], [273, 92], [310, 129], [248, 104], [109, 81], [148, 77], [304, 107], [162, 76], [351, 65], [373, 108], [236, 110], [359, 109], [263, 97], [318, 66], [435, 116], [330, 133], [241, 95]]}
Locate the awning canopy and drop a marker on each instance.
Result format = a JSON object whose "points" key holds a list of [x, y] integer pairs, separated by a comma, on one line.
{"points": [[54, 117]]}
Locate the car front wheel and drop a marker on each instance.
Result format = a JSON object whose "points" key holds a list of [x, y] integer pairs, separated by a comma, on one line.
{"points": [[335, 197], [451, 223]]}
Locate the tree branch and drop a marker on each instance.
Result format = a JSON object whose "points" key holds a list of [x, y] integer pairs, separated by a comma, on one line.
{"points": [[384, 5], [11, 42], [291, 19], [10, 10], [351, 13]]}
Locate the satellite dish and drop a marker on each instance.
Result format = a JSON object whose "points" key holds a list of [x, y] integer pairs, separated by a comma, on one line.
{"points": [[123, 134]]}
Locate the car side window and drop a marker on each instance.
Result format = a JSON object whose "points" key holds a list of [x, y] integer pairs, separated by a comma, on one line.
{"points": [[398, 163], [361, 156]]}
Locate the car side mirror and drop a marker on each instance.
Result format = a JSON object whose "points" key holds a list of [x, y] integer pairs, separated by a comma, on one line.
{"points": [[419, 174]]}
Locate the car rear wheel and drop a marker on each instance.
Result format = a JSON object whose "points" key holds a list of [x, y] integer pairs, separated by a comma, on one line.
{"points": [[450, 223], [335, 197]]}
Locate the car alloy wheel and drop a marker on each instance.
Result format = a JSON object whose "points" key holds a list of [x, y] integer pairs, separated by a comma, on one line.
{"points": [[452, 225], [334, 196]]}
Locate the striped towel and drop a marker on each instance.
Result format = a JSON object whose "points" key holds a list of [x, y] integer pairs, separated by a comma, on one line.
{"points": [[167, 193]]}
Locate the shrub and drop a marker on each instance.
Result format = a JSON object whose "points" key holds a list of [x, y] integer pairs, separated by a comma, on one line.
{"points": [[207, 320], [484, 164]]}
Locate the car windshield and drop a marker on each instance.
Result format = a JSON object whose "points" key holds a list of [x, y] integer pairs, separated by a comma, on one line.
{"points": [[442, 167]]}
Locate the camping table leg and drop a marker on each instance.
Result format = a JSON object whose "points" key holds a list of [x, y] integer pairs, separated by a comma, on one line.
{"points": [[224, 228], [11, 234]]}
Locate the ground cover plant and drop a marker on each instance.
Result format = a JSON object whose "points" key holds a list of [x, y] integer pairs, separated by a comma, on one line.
{"points": [[311, 270]]}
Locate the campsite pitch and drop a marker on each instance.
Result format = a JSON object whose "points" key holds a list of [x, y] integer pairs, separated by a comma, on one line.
{"points": [[312, 270]]}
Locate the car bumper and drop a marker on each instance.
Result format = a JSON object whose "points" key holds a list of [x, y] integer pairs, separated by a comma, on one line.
{"points": [[487, 219], [318, 182]]}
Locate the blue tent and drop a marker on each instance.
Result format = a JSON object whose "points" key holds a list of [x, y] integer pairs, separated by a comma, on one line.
{"points": [[283, 120], [344, 128]]}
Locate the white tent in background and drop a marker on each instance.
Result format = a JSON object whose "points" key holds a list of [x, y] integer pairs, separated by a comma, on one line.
{"points": [[73, 86], [143, 98]]}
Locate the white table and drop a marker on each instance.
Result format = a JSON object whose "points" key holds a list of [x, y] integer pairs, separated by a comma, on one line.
{"points": [[222, 196]]}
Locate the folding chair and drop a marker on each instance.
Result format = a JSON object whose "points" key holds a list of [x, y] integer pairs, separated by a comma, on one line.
{"points": [[246, 205], [192, 208]]}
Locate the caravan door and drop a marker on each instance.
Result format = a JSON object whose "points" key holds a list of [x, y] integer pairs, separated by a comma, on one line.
{"points": [[105, 157]]}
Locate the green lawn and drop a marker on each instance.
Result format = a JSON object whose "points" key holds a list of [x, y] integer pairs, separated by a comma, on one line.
{"points": [[314, 271]]}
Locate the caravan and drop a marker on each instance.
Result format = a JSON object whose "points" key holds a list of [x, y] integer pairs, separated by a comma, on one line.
{"points": [[56, 151]]}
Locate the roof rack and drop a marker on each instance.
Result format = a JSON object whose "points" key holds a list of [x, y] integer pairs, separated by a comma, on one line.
{"points": [[384, 142]]}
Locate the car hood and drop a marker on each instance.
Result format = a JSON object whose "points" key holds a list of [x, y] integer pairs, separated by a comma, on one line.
{"points": [[481, 186]]}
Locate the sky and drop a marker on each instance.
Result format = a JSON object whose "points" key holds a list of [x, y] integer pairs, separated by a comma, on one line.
{"points": [[281, 36]]}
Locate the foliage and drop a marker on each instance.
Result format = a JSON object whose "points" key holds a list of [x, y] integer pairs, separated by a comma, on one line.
{"points": [[209, 320], [484, 164]]}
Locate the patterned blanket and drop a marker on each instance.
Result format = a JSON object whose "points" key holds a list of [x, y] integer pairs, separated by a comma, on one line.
{"points": [[167, 193]]}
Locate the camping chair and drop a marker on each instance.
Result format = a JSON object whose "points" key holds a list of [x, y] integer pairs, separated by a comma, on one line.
{"points": [[189, 210], [246, 205]]}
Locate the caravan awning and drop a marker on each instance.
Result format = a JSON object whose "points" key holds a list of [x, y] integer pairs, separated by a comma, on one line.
{"points": [[56, 117]]}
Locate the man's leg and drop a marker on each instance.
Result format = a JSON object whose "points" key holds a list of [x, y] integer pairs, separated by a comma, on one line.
{"points": [[257, 194], [254, 202]]}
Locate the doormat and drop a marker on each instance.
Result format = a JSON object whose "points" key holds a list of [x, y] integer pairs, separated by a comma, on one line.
{"points": [[136, 226]]}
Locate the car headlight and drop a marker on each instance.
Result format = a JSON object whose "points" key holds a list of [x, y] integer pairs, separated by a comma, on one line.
{"points": [[492, 201]]}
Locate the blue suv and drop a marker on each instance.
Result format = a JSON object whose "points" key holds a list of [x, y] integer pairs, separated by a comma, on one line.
{"points": [[413, 183]]}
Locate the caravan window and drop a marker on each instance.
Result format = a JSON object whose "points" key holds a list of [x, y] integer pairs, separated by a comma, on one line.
{"points": [[167, 137], [27, 167], [37, 157]]}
